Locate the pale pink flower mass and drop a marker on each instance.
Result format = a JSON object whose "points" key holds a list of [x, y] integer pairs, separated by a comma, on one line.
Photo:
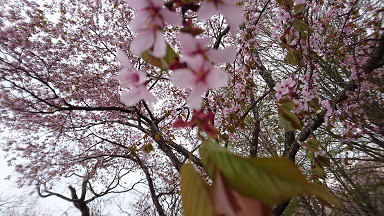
{"points": [[150, 39], [151, 16], [192, 47], [232, 13], [282, 88], [133, 79], [200, 76]]}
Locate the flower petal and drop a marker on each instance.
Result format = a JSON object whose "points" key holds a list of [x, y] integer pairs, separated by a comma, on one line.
{"points": [[206, 11], [203, 42], [138, 4], [142, 42], [230, 1], [146, 95], [127, 78], [183, 78], [222, 202], [123, 59], [140, 22], [188, 43], [159, 46], [194, 99], [227, 54], [157, 3], [132, 97], [233, 15], [170, 17], [195, 62], [142, 77], [216, 78]]}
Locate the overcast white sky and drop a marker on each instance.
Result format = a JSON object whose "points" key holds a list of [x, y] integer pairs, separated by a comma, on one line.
{"points": [[9, 188], [58, 207]]}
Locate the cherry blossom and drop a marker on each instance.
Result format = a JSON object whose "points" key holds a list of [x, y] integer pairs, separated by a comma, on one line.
{"points": [[193, 47], [148, 23], [325, 104], [152, 12], [300, 2], [136, 94], [200, 76], [133, 79], [282, 88], [152, 39], [232, 13], [298, 106]]}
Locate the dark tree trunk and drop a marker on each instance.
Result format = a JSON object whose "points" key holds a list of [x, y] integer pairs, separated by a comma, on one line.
{"points": [[79, 203]]}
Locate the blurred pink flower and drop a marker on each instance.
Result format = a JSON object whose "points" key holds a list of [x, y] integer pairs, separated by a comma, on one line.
{"points": [[133, 79], [136, 94], [152, 12], [151, 39], [200, 76], [191, 47], [204, 121], [149, 19], [232, 13]]}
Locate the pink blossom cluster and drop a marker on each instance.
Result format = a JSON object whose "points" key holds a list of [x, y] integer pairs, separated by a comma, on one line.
{"points": [[133, 79], [283, 88], [232, 13], [302, 94], [319, 153], [198, 74], [150, 18], [327, 106]]}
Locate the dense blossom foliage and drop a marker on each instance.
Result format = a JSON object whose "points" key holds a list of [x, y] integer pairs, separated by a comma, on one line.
{"points": [[99, 90]]}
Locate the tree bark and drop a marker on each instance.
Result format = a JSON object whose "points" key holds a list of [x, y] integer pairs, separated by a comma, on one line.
{"points": [[152, 190], [256, 130], [79, 203]]}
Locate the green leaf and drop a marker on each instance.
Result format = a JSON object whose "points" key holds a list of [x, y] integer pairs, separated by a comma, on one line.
{"points": [[323, 161], [147, 148], [319, 172], [300, 25], [132, 150], [194, 194], [161, 63], [287, 104], [313, 145], [314, 103], [286, 3], [170, 55], [289, 120], [292, 58], [300, 8], [270, 180], [286, 124], [150, 59]]}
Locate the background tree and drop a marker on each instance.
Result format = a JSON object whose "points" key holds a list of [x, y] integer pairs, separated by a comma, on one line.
{"points": [[15, 205]]}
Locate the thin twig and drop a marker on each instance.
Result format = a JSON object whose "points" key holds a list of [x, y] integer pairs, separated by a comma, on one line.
{"points": [[255, 103]]}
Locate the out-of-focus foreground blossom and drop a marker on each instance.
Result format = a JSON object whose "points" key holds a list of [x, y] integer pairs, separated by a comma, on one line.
{"points": [[133, 79], [232, 13], [150, 18]]}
